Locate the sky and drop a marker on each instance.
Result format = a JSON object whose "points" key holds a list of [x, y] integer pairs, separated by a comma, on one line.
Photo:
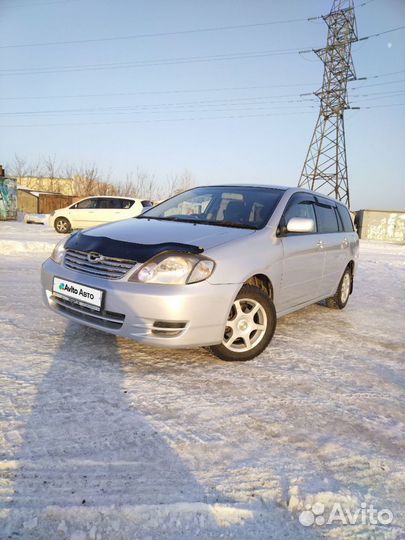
{"points": [[208, 86]]}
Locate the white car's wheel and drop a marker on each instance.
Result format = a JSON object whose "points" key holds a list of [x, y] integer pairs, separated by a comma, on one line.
{"points": [[62, 225]]}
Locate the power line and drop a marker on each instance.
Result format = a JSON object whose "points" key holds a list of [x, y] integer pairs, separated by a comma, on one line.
{"points": [[160, 92], [377, 84], [378, 34], [185, 119], [201, 90], [383, 106], [177, 107], [340, 45], [158, 34], [109, 122], [34, 4], [168, 61], [149, 63], [191, 105]]}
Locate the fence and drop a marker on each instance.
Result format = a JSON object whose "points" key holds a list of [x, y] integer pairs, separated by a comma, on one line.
{"points": [[48, 202]]}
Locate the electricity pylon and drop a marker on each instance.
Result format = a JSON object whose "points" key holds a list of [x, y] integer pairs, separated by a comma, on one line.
{"points": [[325, 167]]}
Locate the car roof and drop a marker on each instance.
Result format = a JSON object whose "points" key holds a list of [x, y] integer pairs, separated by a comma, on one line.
{"points": [[110, 197]]}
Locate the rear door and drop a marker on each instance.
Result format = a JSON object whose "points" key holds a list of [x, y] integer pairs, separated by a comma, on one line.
{"points": [[335, 244], [109, 209], [303, 258], [117, 208]]}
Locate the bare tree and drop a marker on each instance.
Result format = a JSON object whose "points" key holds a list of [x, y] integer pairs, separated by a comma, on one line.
{"points": [[85, 180], [51, 173], [140, 184], [179, 183], [20, 167]]}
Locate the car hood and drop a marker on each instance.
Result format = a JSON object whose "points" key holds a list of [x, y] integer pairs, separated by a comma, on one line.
{"points": [[152, 231], [141, 239]]}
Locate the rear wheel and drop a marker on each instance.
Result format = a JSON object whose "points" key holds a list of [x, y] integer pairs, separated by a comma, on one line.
{"points": [[62, 225], [250, 326], [341, 297]]}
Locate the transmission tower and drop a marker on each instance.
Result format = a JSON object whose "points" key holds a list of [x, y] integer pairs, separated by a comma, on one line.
{"points": [[325, 167]]}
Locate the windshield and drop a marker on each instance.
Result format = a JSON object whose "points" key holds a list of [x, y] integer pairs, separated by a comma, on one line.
{"points": [[227, 206]]}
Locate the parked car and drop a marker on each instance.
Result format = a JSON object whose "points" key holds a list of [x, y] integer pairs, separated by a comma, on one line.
{"points": [[214, 266], [93, 211]]}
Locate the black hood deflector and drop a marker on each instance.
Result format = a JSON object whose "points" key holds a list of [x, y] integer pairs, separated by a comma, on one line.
{"points": [[125, 250]]}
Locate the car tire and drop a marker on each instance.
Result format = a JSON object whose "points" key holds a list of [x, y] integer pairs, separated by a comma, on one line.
{"points": [[341, 297], [250, 327], [62, 225]]}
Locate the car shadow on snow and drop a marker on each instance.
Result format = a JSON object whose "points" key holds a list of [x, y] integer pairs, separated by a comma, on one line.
{"points": [[92, 465]]}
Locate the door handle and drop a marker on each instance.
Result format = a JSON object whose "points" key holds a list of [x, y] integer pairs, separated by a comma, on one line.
{"points": [[320, 244], [345, 243]]}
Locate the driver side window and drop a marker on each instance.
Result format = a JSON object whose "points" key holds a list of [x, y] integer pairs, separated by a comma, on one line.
{"points": [[86, 204], [298, 207]]}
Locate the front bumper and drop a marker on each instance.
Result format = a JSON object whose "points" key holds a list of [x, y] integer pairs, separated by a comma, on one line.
{"points": [[187, 316]]}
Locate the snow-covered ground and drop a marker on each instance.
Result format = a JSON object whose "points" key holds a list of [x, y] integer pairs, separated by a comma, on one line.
{"points": [[102, 438]]}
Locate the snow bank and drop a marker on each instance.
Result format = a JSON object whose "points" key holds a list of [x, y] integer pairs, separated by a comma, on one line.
{"points": [[19, 238], [15, 247]]}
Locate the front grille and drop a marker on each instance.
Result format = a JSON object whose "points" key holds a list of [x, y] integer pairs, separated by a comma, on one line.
{"points": [[107, 268], [104, 319]]}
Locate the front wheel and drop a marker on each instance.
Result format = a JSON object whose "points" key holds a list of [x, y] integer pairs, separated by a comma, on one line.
{"points": [[250, 326], [62, 225]]}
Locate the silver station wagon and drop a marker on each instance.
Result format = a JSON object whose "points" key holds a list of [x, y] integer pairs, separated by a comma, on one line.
{"points": [[214, 266]]}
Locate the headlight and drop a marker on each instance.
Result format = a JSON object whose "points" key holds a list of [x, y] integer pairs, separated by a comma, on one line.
{"points": [[59, 251], [174, 269]]}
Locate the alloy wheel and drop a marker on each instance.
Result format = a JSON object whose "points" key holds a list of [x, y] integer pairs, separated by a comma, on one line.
{"points": [[246, 325], [345, 289]]}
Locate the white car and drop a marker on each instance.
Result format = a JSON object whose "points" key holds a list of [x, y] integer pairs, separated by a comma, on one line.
{"points": [[93, 211]]}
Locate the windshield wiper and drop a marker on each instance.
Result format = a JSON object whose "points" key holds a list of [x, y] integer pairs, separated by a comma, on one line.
{"points": [[173, 218], [232, 224], [150, 217], [202, 222]]}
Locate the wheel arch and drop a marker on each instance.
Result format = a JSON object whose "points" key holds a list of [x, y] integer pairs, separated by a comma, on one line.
{"points": [[262, 282], [351, 266]]}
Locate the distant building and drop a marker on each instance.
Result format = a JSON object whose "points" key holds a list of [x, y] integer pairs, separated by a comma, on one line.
{"points": [[381, 225], [50, 185]]}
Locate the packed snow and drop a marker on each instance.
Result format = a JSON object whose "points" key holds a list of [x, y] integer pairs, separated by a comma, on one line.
{"points": [[103, 438]]}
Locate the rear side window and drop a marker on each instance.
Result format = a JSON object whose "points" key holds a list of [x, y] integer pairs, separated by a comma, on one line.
{"points": [[126, 203], [346, 218], [326, 218], [114, 204], [107, 203], [146, 204]]}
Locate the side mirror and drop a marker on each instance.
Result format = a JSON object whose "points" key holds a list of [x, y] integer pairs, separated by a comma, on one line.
{"points": [[301, 225]]}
